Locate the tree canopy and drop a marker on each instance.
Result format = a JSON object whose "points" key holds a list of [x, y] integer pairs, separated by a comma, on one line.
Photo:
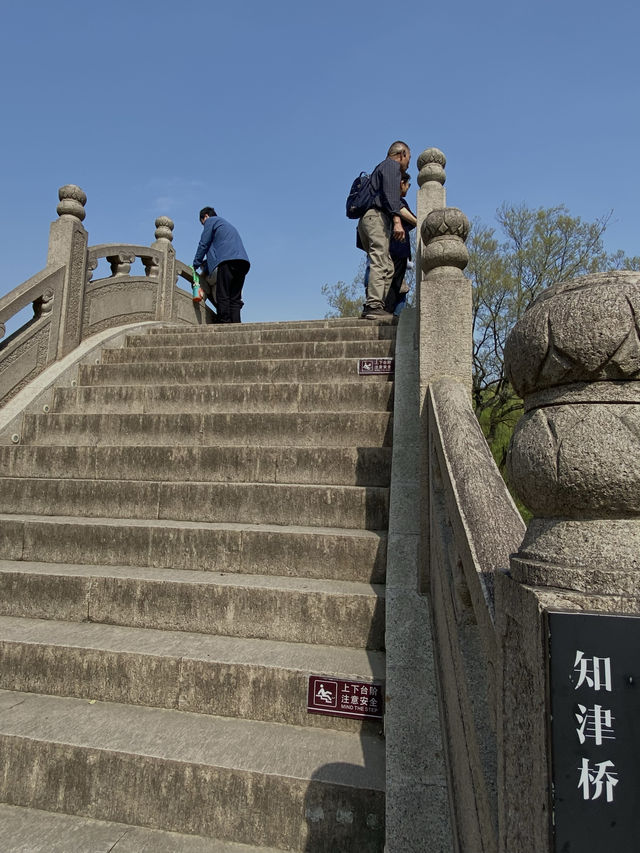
{"points": [[538, 248]]}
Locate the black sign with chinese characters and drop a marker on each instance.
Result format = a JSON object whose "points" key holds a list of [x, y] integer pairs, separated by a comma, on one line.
{"points": [[594, 677]]}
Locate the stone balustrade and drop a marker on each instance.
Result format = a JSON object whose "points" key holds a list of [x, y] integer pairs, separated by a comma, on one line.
{"points": [[69, 305]]}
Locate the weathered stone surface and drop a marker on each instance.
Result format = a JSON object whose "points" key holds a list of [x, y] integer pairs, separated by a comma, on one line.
{"points": [[308, 429], [254, 569], [263, 549], [575, 459], [340, 613], [585, 329], [206, 674], [190, 772], [358, 396], [35, 831], [217, 352], [246, 503]]}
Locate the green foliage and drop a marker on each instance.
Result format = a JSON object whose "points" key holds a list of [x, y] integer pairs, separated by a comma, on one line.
{"points": [[538, 248], [345, 300]]}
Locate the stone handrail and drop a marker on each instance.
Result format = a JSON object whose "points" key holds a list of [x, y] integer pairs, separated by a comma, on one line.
{"points": [[69, 305], [473, 528], [494, 588], [470, 524]]}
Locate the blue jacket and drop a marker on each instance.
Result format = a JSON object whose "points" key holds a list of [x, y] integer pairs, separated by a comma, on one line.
{"points": [[219, 242]]}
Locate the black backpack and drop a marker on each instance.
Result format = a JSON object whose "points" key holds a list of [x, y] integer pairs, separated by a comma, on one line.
{"points": [[360, 196]]}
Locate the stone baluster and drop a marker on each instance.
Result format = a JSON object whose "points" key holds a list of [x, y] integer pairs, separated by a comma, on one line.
{"points": [[68, 242], [167, 273], [574, 357], [120, 264]]}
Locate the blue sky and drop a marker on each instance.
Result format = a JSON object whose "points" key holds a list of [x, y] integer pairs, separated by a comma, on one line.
{"points": [[267, 111]]}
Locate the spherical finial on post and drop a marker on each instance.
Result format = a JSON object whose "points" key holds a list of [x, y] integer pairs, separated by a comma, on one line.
{"points": [[574, 357], [72, 202], [431, 164], [443, 236], [164, 228]]}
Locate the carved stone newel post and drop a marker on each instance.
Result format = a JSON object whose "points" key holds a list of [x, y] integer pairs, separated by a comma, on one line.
{"points": [[575, 461], [164, 238], [444, 307], [68, 241]]}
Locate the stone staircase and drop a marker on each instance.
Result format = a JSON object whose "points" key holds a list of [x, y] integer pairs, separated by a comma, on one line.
{"points": [[196, 527]]}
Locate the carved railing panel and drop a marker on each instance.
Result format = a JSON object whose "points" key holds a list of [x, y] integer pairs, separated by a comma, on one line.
{"points": [[69, 304]]}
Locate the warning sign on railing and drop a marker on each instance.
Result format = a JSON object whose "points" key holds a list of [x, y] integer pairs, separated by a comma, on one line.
{"points": [[375, 366], [340, 698]]}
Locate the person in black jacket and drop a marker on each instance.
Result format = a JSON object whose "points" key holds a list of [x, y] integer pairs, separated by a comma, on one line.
{"points": [[400, 250]]}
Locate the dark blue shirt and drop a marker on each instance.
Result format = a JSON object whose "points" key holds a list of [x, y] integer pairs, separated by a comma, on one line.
{"points": [[219, 242], [385, 183]]}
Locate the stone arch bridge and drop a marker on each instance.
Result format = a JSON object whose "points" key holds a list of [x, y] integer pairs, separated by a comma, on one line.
{"points": [[263, 587]]}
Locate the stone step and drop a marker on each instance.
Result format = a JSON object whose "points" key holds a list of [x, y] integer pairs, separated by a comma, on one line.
{"points": [[313, 552], [244, 351], [249, 503], [274, 397], [197, 336], [264, 429], [217, 675], [328, 323], [292, 610], [240, 780], [338, 466], [25, 830], [207, 372]]}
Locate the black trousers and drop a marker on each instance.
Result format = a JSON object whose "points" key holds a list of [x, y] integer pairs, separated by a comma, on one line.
{"points": [[393, 294], [231, 276]]}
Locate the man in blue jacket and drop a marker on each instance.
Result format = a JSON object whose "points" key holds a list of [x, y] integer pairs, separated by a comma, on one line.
{"points": [[222, 247]]}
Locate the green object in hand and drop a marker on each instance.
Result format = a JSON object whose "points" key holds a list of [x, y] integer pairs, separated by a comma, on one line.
{"points": [[196, 286]]}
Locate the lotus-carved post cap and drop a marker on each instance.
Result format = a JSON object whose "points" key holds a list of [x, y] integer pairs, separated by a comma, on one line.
{"points": [[431, 164], [443, 233], [164, 228], [586, 330], [72, 202]]}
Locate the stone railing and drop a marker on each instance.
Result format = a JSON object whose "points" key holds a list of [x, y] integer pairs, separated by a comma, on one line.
{"points": [[470, 524], [69, 305], [575, 462]]}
